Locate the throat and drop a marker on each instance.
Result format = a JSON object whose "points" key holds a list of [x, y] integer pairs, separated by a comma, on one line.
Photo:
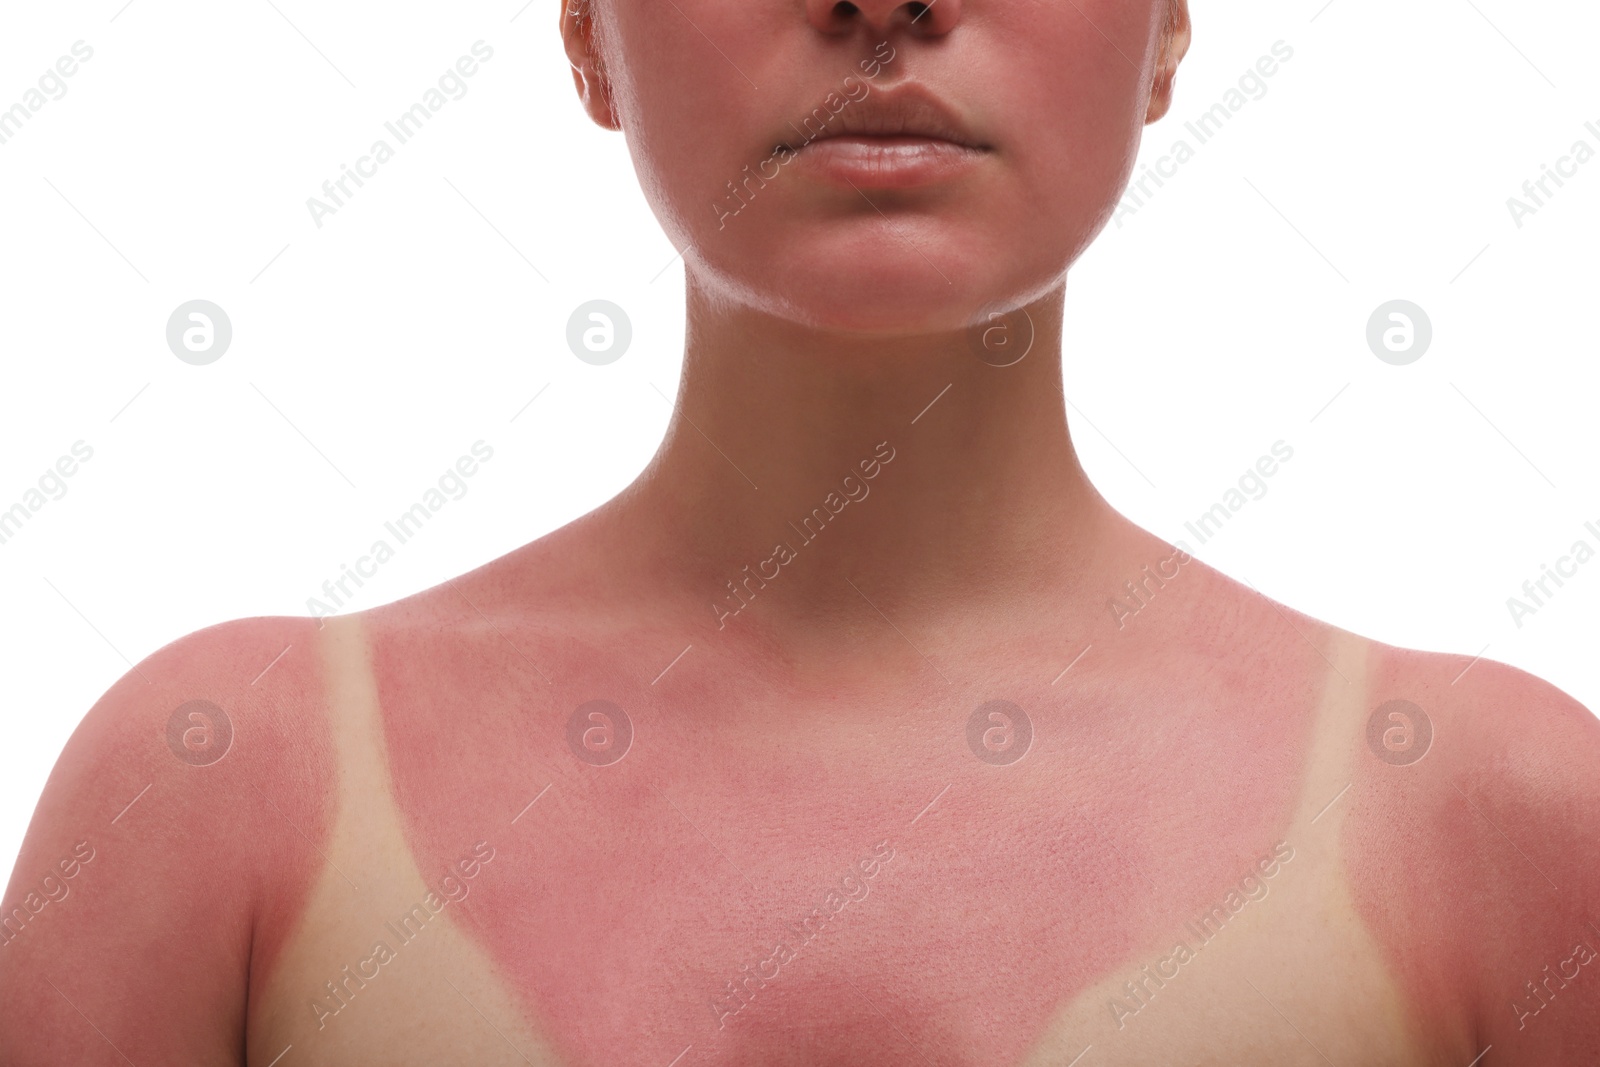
{"points": [[823, 478]]}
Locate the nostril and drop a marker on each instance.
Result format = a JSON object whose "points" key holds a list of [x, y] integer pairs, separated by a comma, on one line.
{"points": [[841, 16]]}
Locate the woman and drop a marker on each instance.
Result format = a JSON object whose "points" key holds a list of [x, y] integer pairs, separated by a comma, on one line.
{"points": [[860, 729]]}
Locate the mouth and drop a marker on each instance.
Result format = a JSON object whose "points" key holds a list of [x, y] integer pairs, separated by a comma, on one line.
{"points": [[892, 138], [904, 114]]}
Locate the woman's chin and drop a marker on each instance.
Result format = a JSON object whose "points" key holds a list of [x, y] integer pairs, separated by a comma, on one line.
{"points": [[886, 295], [877, 315]]}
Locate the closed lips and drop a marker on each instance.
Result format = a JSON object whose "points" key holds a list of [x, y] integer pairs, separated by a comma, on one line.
{"points": [[904, 113]]}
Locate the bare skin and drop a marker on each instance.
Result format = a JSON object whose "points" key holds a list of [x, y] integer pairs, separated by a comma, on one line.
{"points": [[803, 853]]}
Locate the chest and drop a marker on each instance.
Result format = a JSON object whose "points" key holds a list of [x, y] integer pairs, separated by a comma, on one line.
{"points": [[747, 879], [945, 928]]}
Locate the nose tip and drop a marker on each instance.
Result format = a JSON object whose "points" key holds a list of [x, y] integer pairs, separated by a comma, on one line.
{"points": [[931, 19]]}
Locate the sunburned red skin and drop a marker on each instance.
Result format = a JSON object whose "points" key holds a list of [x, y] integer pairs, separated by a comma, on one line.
{"points": [[623, 904], [198, 871], [811, 741], [1475, 865]]}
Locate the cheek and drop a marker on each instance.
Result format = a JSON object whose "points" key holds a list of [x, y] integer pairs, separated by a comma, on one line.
{"points": [[695, 118], [1074, 106]]}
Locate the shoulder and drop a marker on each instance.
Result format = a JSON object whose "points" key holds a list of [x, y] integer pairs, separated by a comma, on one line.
{"points": [[1473, 851], [179, 822], [226, 700], [1470, 838], [1495, 722]]}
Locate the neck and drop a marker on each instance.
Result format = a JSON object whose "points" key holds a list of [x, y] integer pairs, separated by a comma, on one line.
{"points": [[805, 471]]}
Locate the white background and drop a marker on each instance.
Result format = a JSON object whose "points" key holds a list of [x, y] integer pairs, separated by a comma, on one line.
{"points": [[1228, 313]]}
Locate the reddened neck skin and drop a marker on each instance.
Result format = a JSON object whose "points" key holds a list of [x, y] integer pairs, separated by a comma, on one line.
{"points": [[760, 498]]}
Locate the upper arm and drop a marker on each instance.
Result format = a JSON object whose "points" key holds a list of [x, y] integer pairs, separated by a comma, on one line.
{"points": [[1533, 790], [174, 840], [1478, 865]]}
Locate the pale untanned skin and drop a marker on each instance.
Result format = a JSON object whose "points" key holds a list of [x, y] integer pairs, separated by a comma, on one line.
{"points": [[1207, 752]]}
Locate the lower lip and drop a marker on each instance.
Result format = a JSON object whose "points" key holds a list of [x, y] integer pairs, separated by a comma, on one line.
{"points": [[887, 162]]}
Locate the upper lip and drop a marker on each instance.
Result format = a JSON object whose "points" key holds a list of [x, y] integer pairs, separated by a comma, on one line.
{"points": [[904, 111]]}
